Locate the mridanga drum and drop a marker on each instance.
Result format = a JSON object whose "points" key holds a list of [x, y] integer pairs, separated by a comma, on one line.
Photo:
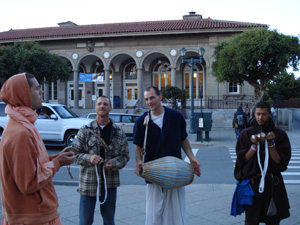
{"points": [[168, 172]]}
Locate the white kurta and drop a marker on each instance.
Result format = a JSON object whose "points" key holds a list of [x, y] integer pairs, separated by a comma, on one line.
{"points": [[165, 206]]}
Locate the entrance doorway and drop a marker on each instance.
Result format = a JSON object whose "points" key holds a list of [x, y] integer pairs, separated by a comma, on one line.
{"points": [[130, 89], [100, 87], [71, 95], [131, 95]]}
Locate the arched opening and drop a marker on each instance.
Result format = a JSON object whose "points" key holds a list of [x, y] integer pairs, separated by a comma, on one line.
{"points": [[198, 81], [162, 74], [130, 85]]}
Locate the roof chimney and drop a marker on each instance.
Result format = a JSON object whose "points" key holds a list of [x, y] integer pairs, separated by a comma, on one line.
{"points": [[192, 15], [68, 23]]}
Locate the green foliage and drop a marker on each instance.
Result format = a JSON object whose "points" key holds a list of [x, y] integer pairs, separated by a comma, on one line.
{"points": [[283, 84], [171, 94], [30, 57], [255, 56]]}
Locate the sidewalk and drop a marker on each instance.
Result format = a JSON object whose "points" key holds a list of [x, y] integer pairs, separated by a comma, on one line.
{"points": [[207, 204]]}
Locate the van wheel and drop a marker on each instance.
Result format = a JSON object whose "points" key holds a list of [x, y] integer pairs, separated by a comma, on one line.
{"points": [[70, 138]]}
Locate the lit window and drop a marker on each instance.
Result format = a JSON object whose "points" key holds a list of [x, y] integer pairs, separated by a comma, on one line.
{"points": [[197, 80], [162, 75]]}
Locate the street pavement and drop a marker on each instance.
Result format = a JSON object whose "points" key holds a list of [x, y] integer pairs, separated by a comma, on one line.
{"points": [[207, 204]]}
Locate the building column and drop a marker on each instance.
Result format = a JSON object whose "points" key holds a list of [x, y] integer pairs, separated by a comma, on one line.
{"points": [[76, 89], [107, 84], [140, 87], [173, 76], [46, 92], [52, 90]]}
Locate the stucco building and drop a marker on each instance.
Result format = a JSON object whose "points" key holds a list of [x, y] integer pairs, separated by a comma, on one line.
{"points": [[133, 56]]}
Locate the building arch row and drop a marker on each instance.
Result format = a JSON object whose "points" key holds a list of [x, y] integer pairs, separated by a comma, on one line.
{"points": [[115, 87]]}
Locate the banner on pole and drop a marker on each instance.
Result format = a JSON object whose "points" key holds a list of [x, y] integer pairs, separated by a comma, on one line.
{"points": [[91, 77]]}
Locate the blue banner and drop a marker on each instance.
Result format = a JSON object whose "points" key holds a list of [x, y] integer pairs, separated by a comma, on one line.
{"points": [[91, 77]]}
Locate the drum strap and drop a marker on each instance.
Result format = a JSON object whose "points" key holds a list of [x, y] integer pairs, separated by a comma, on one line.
{"points": [[103, 172], [146, 122], [263, 170]]}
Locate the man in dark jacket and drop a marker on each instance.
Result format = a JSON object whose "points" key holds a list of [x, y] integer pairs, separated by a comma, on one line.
{"points": [[263, 164], [240, 120], [165, 137]]}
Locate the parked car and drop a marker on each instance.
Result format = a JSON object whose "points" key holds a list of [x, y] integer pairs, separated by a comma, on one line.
{"points": [[56, 123], [125, 121]]}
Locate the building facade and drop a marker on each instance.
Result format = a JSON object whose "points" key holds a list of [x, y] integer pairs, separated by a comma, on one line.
{"points": [[133, 56]]}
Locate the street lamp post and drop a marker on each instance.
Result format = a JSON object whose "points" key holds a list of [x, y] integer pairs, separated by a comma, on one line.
{"points": [[201, 52]]}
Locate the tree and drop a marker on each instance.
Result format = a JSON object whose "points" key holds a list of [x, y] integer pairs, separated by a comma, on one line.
{"points": [[30, 57], [172, 95], [285, 85], [255, 56]]}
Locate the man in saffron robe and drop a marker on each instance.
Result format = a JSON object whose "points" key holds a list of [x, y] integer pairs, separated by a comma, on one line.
{"points": [[26, 171]]}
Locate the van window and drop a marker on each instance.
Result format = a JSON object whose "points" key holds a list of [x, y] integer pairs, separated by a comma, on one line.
{"points": [[126, 119], [129, 119], [115, 118]]}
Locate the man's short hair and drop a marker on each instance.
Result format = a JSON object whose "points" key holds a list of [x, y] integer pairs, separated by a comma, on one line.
{"points": [[103, 96], [29, 77], [157, 91], [263, 105]]}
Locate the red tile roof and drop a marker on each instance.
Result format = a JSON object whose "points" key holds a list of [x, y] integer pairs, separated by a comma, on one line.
{"points": [[125, 28]]}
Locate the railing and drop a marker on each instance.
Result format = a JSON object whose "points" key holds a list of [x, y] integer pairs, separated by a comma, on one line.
{"points": [[136, 103], [225, 102], [286, 103], [136, 109], [233, 101]]}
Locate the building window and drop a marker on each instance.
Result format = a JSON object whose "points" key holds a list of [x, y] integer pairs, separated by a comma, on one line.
{"points": [[132, 91], [232, 88], [130, 72], [80, 86], [162, 75], [198, 80], [100, 69], [53, 91]]}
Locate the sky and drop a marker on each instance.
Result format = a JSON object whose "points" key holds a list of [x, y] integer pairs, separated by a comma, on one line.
{"points": [[282, 15]]}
